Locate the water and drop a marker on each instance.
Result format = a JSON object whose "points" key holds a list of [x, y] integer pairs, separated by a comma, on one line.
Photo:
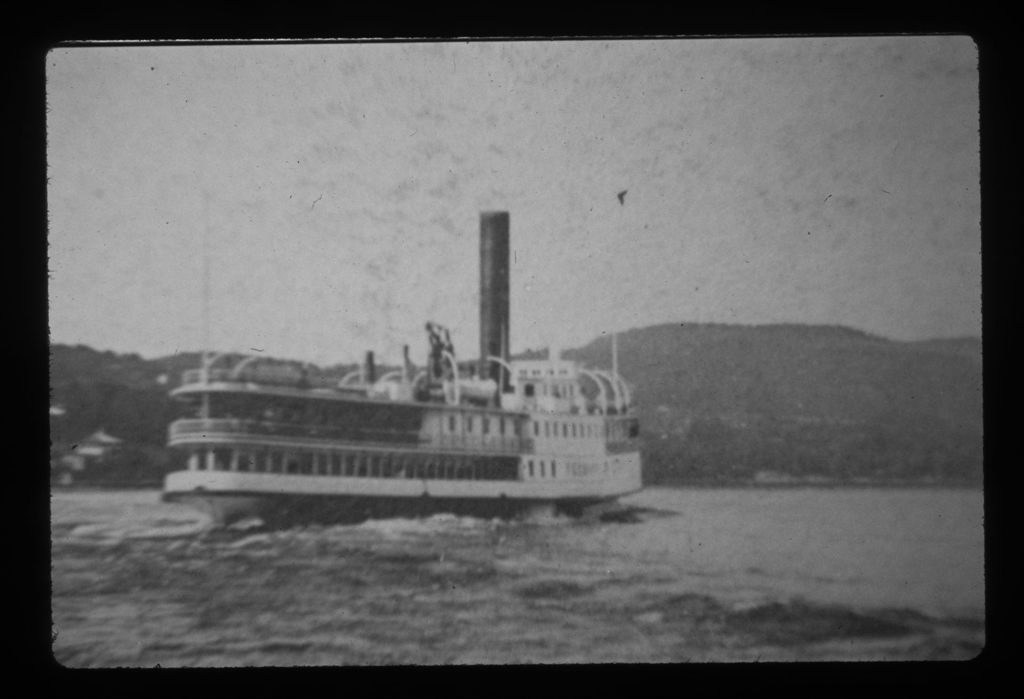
{"points": [[703, 575]]}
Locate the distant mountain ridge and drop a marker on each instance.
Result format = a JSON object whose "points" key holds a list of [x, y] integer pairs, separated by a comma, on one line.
{"points": [[802, 400], [717, 403], [820, 372]]}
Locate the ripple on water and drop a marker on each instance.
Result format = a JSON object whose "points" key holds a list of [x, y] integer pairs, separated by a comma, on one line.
{"points": [[552, 589], [152, 586]]}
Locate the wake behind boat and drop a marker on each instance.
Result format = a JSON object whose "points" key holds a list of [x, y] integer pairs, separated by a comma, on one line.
{"points": [[494, 437]]}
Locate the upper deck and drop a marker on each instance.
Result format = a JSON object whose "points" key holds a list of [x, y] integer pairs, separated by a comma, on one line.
{"points": [[545, 410], [548, 386], [265, 377]]}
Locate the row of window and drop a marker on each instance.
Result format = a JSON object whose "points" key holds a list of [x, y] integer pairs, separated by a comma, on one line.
{"points": [[357, 464], [321, 413], [375, 465], [566, 430], [510, 426], [346, 432], [488, 424], [542, 372], [573, 469], [541, 469], [621, 430], [558, 391]]}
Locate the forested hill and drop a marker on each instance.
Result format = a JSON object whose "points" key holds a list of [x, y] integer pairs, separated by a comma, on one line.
{"points": [[802, 401], [717, 403]]}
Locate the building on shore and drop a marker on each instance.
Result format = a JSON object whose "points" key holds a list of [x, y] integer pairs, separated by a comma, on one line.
{"points": [[95, 448]]}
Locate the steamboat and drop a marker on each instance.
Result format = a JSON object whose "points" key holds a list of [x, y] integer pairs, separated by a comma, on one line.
{"points": [[494, 437]]}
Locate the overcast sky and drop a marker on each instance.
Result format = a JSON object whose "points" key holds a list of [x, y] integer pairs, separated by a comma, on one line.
{"points": [[337, 190]]}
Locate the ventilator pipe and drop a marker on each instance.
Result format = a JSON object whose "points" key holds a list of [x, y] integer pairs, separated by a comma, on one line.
{"points": [[347, 378], [208, 362], [628, 396], [455, 376], [600, 388], [236, 371], [508, 368], [390, 375], [615, 389]]}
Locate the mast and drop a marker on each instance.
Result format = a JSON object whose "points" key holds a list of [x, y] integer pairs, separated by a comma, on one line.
{"points": [[504, 379], [205, 413], [615, 354], [615, 371]]}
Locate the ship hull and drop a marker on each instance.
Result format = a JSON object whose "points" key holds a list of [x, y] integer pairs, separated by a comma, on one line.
{"points": [[285, 510], [294, 500]]}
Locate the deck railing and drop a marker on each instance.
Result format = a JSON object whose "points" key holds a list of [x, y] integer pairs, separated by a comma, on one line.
{"points": [[197, 427], [260, 375], [490, 443], [189, 427]]}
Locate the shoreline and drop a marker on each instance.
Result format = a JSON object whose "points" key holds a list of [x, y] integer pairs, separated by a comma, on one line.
{"points": [[673, 485], [824, 485]]}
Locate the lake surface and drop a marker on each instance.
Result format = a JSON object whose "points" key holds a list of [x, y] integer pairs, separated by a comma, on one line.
{"points": [[701, 575]]}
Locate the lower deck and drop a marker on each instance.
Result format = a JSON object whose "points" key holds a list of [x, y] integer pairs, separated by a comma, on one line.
{"points": [[405, 464], [283, 484]]}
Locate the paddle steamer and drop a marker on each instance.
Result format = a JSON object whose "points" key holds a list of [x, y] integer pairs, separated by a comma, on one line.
{"points": [[492, 437]]}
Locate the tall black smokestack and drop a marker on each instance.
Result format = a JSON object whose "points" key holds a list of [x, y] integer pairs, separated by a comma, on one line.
{"points": [[494, 308]]}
